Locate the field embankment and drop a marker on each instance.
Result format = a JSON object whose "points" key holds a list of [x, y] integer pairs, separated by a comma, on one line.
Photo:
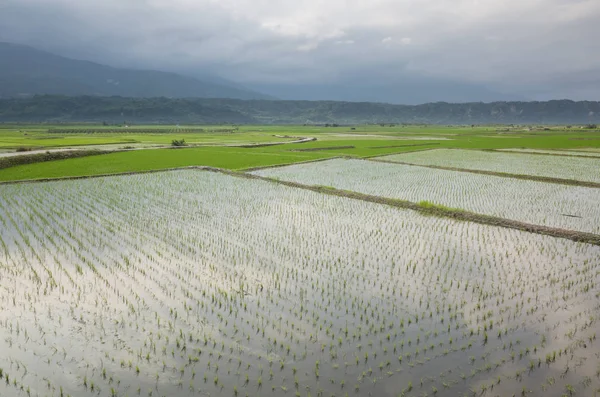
{"points": [[24, 159]]}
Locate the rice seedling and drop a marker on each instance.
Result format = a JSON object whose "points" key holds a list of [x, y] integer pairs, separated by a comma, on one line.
{"points": [[521, 200], [582, 169], [193, 271]]}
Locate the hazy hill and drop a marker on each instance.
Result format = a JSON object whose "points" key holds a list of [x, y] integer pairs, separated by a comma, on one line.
{"points": [[404, 88], [48, 108], [25, 71]]}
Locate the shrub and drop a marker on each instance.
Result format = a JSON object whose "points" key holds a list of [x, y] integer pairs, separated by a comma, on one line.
{"points": [[178, 143], [24, 149]]}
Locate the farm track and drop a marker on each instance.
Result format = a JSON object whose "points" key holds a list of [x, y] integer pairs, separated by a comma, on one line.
{"points": [[25, 158], [560, 181], [253, 145], [457, 214], [403, 146], [325, 148]]}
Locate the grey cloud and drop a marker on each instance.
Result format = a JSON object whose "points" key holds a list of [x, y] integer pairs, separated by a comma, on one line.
{"points": [[517, 46]]}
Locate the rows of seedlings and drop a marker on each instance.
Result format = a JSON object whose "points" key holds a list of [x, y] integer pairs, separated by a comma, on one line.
{"points": [[196, 283], [565, 167], [566, 207]]}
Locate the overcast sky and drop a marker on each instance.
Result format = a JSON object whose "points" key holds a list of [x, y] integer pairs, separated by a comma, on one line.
{"points": [[540, 47]]}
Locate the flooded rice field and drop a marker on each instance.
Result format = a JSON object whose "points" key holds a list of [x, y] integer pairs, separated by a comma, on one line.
{"points": [[575, 168], [566, 207], [194, 283], [573, 152]]}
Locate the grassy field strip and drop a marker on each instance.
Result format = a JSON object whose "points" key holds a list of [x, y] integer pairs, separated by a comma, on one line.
{"points": [[217, 283], [560, 206], [560, 181], [577, 169], [559, 153], [156, 159], [197, 167], [43, 139]]}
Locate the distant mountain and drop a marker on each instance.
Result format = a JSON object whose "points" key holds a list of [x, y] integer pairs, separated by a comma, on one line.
{"points": [[25, 71], [404, 88], [48, 108]]}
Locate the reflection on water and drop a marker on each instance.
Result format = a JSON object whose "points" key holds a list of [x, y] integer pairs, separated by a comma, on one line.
{"points": [[194, 283]]}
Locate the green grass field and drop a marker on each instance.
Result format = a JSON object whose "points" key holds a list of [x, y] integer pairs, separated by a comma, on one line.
{"points": [[144, 160], [213, 146]]}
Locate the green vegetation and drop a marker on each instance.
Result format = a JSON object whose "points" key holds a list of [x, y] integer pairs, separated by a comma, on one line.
{"points": [[219, 146], [32, 158], [178, 142], [433, 206], [146, 160]]}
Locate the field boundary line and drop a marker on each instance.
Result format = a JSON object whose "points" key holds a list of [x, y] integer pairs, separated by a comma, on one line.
{"points": [[545, 179]]}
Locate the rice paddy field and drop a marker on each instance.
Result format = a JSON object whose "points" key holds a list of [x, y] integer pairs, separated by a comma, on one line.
{"points": [[575, 168], [559, 152], [555, 205], [304, 276], [191, 282]]}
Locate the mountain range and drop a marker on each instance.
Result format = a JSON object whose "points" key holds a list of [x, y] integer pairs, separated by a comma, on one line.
{"points": [[26, 71], [95, 109], [39, 86]]}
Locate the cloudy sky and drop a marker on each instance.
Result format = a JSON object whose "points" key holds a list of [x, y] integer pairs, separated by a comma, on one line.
{"points": [[538, 49]]}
